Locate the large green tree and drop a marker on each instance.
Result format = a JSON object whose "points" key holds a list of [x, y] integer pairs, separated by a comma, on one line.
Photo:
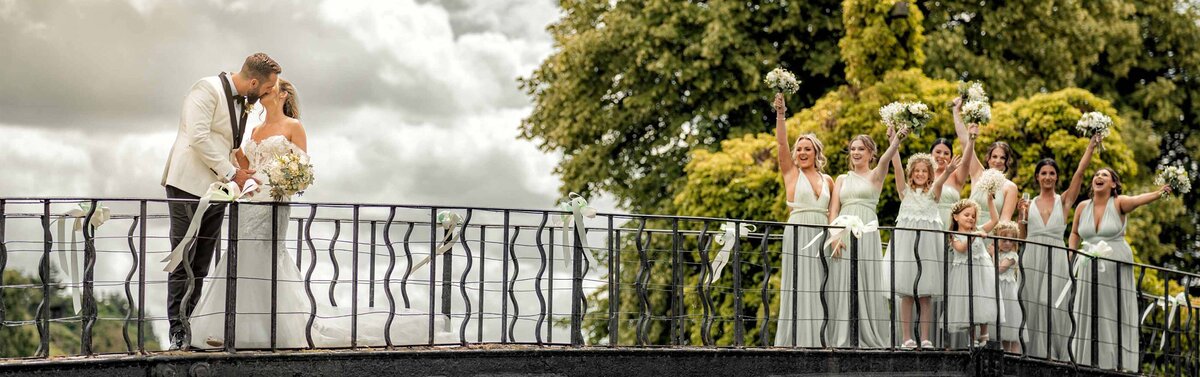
{"points": [[633, 86]]}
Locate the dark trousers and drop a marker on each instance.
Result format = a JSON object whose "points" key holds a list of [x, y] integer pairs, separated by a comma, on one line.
{"points": [[199, 256]]}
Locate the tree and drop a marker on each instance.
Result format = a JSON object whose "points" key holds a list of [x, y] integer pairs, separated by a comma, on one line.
{"points": [[21, 303], [633, 86]]}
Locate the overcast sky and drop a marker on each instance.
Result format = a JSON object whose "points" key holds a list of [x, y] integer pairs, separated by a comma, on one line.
{"points": [[404, 101], [408, 102]]}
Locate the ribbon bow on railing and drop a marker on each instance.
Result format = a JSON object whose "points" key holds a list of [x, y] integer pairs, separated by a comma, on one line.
{"points": [[71, 267], [847, 225], [1171, 305], [729, 236], [1090, 252], [228, 191], [579, 208], [448, 221]]}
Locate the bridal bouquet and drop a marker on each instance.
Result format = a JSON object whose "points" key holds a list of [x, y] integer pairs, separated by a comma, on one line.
{"points": [[972, 92], [910, 116], [1176, 177], [289, 175], [1094, 123], [782, 81], [978, 112], [990, 181]]}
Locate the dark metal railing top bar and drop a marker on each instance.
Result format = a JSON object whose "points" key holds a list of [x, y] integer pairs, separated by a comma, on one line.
{"points": [[349, 276]]}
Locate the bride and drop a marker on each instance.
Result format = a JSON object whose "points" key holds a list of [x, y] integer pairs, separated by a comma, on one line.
{"points": [[279, 134]]}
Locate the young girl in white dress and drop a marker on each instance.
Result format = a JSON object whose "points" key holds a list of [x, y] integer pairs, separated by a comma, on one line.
{"points": [[917, 254], [971, 300], [1007, 261]]}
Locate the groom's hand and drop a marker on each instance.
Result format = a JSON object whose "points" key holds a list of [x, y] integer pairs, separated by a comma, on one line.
{"points": [[241, 176]]}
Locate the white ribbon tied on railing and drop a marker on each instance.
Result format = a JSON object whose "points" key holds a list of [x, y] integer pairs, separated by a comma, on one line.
{"points": [[1090, 253], [448, 221], [70, 263], [228, 191], [846, 225], [579, 208], [728, 238], [1171, 305]]}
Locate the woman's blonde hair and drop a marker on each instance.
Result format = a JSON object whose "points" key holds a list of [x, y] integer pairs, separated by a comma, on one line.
{"points": [[920, 158], [1007, 229], [820, 149], [867, 142], [291, 104]]}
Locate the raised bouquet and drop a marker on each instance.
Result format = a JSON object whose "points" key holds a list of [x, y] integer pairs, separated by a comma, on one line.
{"points": [[782, 81], [1175, 177], [910, 116]]}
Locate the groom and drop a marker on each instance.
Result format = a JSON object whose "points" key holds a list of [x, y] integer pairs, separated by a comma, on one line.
{"points": [[210, 128]]}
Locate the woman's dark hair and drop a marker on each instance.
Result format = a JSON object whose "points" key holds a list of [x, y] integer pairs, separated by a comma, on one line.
{"points": [[1045, 162], [942, 141]]}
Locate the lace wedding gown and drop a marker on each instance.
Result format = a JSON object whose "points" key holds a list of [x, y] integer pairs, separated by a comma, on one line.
{"points": [[330, 327]]}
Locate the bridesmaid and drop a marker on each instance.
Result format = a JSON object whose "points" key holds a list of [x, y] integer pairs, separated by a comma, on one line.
{"points": [[1102, 218], [1043, 222], [808, 190], [1000, 157], [942, 152], [856, 194]]}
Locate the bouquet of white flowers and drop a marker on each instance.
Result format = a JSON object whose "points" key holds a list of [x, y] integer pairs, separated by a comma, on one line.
{"points": [[971, 92], [289, 175], [1176, 177], [990, 181], [782, 81], [910, 116], [1094, 123], [978, 112]]}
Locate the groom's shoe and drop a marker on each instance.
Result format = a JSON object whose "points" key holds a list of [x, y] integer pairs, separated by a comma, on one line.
{"points": [[176, 342]]}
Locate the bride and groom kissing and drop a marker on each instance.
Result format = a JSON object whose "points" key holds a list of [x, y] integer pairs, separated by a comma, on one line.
{"points": [[209, 153]]}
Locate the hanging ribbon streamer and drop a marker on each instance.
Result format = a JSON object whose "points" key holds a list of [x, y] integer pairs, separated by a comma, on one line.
{"points": [[71, 267], [847, 225], [729, 236], [1090, 252], [579, 208], [448, 221], [1171, 305], [228, 191]]}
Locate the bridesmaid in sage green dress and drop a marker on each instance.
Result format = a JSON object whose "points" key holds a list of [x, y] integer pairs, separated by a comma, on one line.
{"points": [[801, 315], [856, 194], [1046, 269], [1103, 219], [1000, 157]]}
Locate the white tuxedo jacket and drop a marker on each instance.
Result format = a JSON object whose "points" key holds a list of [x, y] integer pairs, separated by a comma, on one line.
{"points": [[202, 153]]}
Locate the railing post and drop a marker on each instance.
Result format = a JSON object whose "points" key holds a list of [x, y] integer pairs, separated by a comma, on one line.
{"points": [[676, 294], [43, 310], [854, 293], [3, 256], [230, 282], [89, 276], [577, 289], [447, 279], [141, 303], [274, 274], [614, 278], [737, 285]]}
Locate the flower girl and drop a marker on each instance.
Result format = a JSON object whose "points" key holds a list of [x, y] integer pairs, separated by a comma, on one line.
{"points": [[917, 254], [971, 300], [1006, 264]]}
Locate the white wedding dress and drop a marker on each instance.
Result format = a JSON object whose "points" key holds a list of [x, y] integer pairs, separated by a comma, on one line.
{"points": [[331, 326]]}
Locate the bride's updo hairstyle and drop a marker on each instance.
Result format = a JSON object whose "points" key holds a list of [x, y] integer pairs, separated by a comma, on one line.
{"points": [[291, 104]]}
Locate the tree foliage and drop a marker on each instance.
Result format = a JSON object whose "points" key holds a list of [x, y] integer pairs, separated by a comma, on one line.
{"points": [[633, 86], [19, 336]]}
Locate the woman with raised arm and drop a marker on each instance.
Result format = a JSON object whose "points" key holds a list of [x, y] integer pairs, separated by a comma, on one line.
{"points": [[1000, 157], [917, 253], [1099, 228], [1043, 222], [856, 194], [801, 313]]}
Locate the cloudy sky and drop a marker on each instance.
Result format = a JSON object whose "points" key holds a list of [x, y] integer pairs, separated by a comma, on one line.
{"points": [[408, 102], [404, 101]]}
